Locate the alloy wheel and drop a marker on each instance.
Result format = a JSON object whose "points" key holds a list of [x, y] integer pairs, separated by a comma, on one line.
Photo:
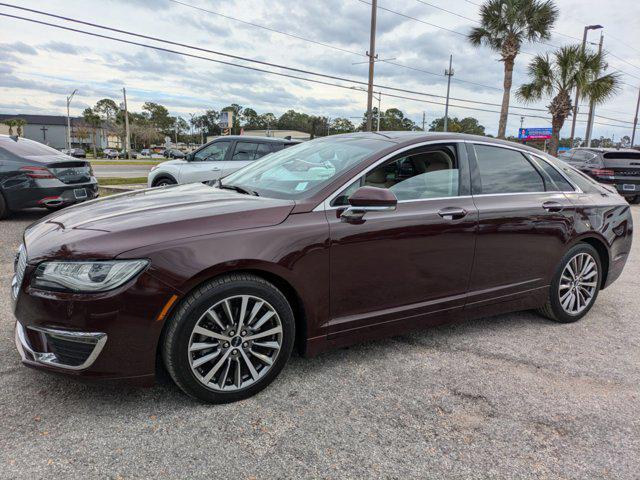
{"points": [[578, 283], [235, 343]]}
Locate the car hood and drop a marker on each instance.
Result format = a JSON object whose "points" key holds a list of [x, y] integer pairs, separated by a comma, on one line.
{"points": [[172, 162], [107, 227]]}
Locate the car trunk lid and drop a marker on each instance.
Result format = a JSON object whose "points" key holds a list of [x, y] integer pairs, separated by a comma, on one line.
{"points": [[71, 172], [625, 165]]}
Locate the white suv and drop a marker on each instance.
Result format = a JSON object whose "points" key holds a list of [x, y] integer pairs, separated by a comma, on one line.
{"points": [[216, 159]]}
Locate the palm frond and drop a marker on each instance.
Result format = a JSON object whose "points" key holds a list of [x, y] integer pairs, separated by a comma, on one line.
{"points": [[602, 88]]}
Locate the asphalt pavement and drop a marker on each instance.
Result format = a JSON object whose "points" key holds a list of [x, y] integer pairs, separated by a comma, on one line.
{"points": [[513, 396]]}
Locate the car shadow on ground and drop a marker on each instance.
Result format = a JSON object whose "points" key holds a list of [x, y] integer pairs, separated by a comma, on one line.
{"points": [[167, 393], [30, 215]]}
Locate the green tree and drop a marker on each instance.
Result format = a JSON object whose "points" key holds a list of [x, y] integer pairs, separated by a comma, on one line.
{"points": [[468, 125], [341, 125], [557, 77], [292, 120], [159, 117], [504, 26], [94, 122], [392, 119], [107, 109]]}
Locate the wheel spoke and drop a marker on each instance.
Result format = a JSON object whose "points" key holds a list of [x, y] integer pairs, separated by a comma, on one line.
{"points": [[222, 380], [263, 320], [254, 311], [252, 370], [238, 373], [266, 333], [272, 345], [227, 309], [261, 357], [205, 358], [565, 295], [209, 333], [214, 316], [243, 311], [195, 347], [207, 378]]}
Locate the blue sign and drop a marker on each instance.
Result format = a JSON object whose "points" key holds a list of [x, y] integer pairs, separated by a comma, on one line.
{"points": [[534, 133]]}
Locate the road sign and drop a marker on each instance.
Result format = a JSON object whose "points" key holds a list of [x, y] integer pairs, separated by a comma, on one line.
{"points": [[534, 133], [226, 119]]}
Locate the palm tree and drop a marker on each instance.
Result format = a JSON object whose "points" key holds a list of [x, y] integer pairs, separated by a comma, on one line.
{"points": [[569, 68], [20, 124], [12, 122], [505, 25]]}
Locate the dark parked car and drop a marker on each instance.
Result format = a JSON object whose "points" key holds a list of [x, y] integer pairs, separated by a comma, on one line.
{"points": [[173, 153], [324, 244], [35, 175], [617, 167], [77, 153]]}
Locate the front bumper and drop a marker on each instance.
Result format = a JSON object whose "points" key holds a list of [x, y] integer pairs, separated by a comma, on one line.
{"points": [[101, 336]]}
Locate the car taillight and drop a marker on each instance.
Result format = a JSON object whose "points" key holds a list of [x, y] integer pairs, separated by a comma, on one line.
{"points": [[37, 172], [602, 172]]}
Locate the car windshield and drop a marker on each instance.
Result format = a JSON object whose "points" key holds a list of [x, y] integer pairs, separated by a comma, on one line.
{"points": [[301, 170], [27, 148]]}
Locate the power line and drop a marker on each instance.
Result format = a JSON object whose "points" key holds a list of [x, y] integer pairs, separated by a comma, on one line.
{"points": [[154, 47], [448, 11], [264, 63]]}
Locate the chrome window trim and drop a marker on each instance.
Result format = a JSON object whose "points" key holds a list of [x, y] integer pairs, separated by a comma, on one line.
{"points": [[325, 205]]}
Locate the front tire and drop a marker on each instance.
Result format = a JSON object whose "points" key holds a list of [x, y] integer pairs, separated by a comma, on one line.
{"points": [[229, 338], [575, 285], [164, 181]]}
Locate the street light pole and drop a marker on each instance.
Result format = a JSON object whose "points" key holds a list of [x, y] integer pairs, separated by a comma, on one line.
{"points": [[127, 142], [575, 104], [372, 60], [635, 120], [591, 104], [69, 119], [449, 74], [379, 99]]}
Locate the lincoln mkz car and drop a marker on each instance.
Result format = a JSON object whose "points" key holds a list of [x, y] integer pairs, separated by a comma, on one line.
{"points": [[35, 175], [334, 241]]}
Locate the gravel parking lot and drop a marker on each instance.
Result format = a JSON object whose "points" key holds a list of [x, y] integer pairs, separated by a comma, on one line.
{"points": [[514, 396]]}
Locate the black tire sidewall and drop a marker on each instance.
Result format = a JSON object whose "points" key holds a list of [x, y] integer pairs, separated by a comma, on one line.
{"points": [[164, 181], [176, 343], [4, 208], [554, 295]]}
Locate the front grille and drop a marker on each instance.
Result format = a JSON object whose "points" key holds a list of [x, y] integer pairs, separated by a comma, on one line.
{"points": [[69, 352], [20, 265]]}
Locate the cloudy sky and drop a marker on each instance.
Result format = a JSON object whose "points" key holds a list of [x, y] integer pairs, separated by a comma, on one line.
{"points": [[40, 65]]}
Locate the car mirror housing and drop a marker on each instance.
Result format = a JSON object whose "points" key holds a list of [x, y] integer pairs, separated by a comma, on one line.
{"points": [[369, 199], [189, 157]]}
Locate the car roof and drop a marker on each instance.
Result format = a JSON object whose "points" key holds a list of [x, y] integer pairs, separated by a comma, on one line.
{"points": [[256, 137]]}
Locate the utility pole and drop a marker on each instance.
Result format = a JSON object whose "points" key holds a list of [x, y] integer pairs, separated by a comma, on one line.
{"points": [[69, 119], [591, 104], [424, 116], [127, 142], [372, 60], [449, 74], [575, 104], [635, 120]]}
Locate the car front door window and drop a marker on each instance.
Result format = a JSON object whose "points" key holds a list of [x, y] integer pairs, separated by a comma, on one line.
{"points": [[213, 152]]}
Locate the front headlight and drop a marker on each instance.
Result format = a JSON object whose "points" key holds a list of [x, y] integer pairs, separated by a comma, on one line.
{"points": [[96, 276]]}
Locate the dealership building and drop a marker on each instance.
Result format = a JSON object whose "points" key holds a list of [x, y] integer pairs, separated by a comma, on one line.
{"points": [[52, 130]]}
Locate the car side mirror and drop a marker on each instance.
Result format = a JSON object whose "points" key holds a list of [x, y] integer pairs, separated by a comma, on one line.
{"points": [[368, 199], [189, 157]]}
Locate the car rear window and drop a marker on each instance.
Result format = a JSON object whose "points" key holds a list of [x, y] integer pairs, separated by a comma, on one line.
{"points": [[27, 148]]}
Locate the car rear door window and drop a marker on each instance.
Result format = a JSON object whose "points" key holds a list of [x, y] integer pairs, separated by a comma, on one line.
{"points": [[213, 152], [502, 170], [553, 180], [244, 151], [262, 150]]}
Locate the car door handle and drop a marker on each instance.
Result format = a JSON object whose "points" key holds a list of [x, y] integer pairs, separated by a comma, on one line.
{"points": [[452, 213], [553, 206], [215, 169]]}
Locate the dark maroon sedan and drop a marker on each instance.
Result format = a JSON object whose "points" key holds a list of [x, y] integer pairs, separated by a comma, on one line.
{"points": [[321, 245]]}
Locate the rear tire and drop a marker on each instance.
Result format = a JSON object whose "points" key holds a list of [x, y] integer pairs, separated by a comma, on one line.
{"points": [[572, 294], [4, 210], [206, 355], [634, 200]]}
